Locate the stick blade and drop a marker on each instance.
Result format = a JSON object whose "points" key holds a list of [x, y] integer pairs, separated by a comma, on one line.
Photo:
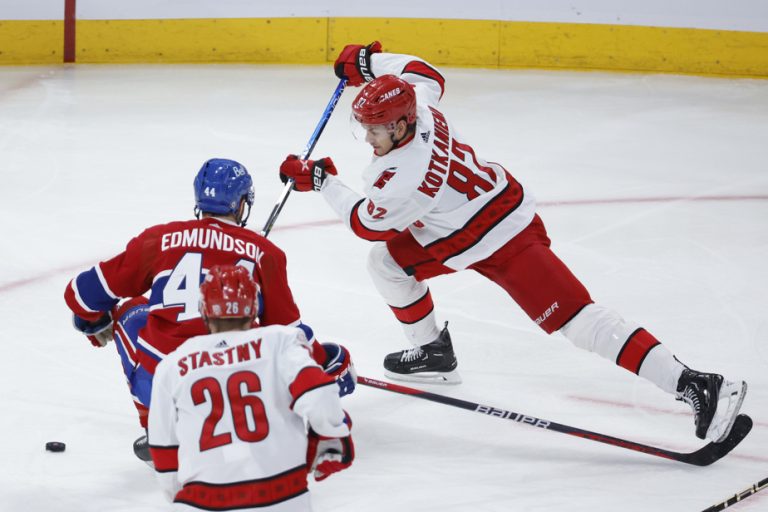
{"points": [[716, 451]]}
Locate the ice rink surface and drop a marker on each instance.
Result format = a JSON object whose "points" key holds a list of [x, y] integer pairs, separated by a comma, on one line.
{"points": [[654, 190]]}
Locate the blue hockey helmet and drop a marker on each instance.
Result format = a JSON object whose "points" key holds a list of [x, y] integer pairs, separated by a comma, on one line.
{"points": [[220, 185]]}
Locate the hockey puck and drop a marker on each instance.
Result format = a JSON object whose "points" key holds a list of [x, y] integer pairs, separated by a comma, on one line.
{"points": [[55, 446]]}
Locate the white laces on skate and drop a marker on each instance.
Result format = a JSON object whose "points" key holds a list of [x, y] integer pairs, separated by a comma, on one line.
{"points": [[411, 354], [690, 397]]}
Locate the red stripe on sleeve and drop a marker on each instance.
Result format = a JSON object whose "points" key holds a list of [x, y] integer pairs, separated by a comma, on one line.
{"points": [[421, 68], [635, 350], [368, 234], [309, 378], [415, 311], [166, 458]]}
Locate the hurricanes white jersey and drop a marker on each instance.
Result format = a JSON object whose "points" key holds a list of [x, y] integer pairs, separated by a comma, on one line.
{"points": [[226, 425], [458, 206]]}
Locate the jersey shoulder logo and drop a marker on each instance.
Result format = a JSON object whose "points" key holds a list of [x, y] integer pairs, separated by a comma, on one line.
{"points": [[425, 136], [384, 177]]}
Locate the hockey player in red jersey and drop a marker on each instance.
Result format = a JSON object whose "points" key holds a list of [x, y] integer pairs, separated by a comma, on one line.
{"points": [[226, 426], [434, 207], [168, 262]]}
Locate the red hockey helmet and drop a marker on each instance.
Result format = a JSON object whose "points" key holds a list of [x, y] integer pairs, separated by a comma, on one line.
{"points": [[387, 99], [229, 291]]}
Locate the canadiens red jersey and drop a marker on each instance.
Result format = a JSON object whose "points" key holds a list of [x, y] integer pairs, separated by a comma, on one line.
{"points": [[170, 261]]}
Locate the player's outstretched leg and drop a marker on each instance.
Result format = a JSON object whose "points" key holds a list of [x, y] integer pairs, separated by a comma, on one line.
{"points": [[433, 363], [714, 400]]}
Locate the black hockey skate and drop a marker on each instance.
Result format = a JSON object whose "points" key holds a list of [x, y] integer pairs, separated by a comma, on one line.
{"points": [[714, 400], [433, 363], [141, 449]]}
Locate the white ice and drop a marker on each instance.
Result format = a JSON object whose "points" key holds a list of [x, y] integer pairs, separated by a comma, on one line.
{"points": [[654, 189]]}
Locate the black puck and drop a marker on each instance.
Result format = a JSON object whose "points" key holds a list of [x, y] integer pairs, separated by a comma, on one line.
{"points": [[55, 446]]}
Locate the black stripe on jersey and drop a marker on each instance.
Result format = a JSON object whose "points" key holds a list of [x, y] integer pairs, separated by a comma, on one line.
{"points": [[476, 215], [471, 219]]}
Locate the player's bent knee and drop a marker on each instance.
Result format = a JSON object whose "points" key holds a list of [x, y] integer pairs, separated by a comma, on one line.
{"points": [[597, 329], [382, 266]]}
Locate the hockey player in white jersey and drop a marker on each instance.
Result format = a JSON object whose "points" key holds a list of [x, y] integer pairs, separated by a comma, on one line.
{"points": [[433, 206], [226, 426]]}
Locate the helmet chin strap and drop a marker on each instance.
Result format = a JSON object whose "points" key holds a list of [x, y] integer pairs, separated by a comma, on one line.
{"points": [[243, 220]]}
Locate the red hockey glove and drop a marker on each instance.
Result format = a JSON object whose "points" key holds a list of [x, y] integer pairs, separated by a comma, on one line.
{"points": [[328, 455], [354, 63], [307, 174], [338, 364], [99, 333]]}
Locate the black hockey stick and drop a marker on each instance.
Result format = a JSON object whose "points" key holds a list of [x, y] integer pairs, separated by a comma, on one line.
{"points": [[304, 155], [702, 457], [755, 488]]}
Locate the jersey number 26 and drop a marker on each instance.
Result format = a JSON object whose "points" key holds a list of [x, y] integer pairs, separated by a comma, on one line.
{"points": [[248, 415]]}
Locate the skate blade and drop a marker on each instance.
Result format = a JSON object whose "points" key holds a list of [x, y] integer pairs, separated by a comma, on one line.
{"points": [[451, 377], [727, 392]]}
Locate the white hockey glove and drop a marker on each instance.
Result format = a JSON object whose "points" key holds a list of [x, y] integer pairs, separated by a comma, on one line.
{"points": [[328, 455]]}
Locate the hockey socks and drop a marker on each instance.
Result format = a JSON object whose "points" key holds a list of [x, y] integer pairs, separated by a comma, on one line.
{"points": [[604, 332]]}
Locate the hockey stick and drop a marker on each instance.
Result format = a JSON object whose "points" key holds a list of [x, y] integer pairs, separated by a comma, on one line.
{"points": [[755, 488], [702, 457], [305, 154]]}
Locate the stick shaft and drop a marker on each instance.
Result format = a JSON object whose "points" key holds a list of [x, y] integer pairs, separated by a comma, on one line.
{"points": [[701, 457], [753, 489], [304, 155]]}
